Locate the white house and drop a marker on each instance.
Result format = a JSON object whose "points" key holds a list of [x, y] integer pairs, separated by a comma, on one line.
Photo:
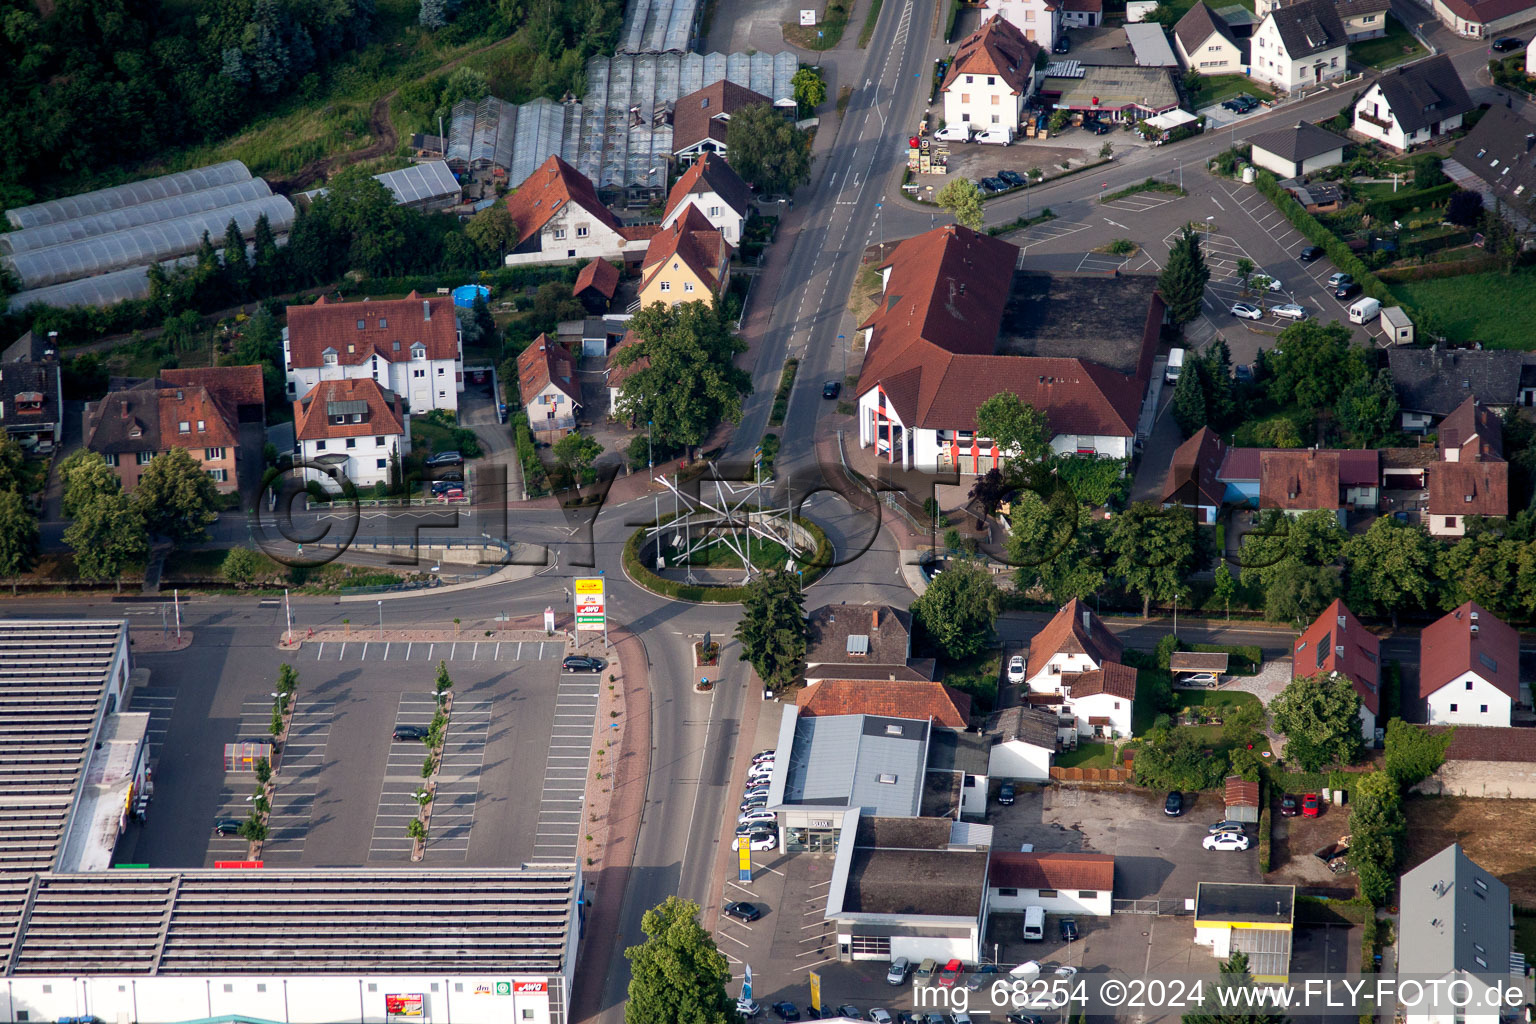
{"points": [[1336, 643], [1299, 46], [352, 427], [1455, 926], [1074, 664], [1191, 481], [1469, 668], [716, 191], [1292, 152], [990, 81], [1413, 104], [408, 346], [560, 219], [1039, 21], [549, 389], [1206, 44], [1530, 56], [1024, 740], [1058, 883]]}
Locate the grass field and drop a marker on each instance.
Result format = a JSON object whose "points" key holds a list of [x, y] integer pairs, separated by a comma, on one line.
{"points": [[1087, 755], [1490, 308], [1498, 834], [1216, 88], [1395, 47]]}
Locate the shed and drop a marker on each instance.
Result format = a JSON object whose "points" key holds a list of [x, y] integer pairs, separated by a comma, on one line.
{"points": [[1399, 327], [1242, 799], [1293, 152], [1150, 44], [1137, 10], [1171, 120], [1197, 661]]}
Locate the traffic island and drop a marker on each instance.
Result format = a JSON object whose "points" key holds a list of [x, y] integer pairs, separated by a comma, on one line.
{"points": [[705, 555]]}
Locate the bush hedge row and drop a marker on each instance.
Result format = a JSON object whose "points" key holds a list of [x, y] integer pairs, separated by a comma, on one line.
{"points": [[1264, 840], [781, 397], [1434, 271], [1318, 235], [533, 469], [1391, 206], [643, 576]]}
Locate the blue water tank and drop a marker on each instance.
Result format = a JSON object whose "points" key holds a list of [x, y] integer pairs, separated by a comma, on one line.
{"points": [[464, 294]]}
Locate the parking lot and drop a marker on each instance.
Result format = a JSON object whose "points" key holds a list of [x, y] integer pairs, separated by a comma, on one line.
{"points": [[509, 788]]}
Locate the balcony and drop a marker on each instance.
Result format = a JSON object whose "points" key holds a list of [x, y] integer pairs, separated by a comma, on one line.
{"points": [[1382, 123]]}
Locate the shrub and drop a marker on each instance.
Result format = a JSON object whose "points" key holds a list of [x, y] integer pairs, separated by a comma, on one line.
{"points": [[819, 562], [1264, 841]]}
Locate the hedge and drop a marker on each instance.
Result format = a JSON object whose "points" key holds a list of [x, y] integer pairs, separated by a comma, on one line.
{"points": [[1264, 840], [1242, 659], [1435, 271], [781, 397], [1390, 206], [1318, 235], [533, 469], [643, 576]]}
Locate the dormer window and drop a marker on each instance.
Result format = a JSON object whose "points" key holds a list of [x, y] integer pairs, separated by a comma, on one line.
{"points": [[351, 349], [397, 347], [202, 425], [418, 351], [330, 359]]}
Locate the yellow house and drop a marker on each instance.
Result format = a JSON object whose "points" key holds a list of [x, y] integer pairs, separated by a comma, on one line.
{"points": [[687, 261], [1233, 917]]}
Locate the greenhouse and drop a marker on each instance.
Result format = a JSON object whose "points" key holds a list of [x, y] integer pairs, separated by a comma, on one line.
{"points": [[480, 135], [142, 245], [428, 186], [105, 289], [131, 194], [656, 26], [168, 208]]}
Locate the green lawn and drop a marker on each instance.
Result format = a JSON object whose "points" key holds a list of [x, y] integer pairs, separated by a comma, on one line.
{"points": [[1213, 698], [1216, 88], [1491, 308], [1395, 47], [1087, 755], [977, 676]]}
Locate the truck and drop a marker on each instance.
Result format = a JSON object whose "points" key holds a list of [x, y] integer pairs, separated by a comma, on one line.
{"points": [[1175, 366], [1364, 310]]}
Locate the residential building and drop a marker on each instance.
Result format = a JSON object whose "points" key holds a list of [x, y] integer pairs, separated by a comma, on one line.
{"points": [[560, 219], [1530, 56], [1150, 45], [1432, 382], [32, 393], [350, 429], [1239, 475], [1082, 13], [1294, 152], [991, 78], [1299, 46], [1471, 477], [701, 118], [1337, 643], [131, 426], [1363, 19], [411, 347], [1499, 153], [240, 390], [870, 641], [955, 325], [1297, 481], [1481, 19], [1455, 926], [1058, 883], [1024, 739], [1206, 44], [1110, 93], [715, 190], [1192, 479], [1254, 919], [887, 698], [1074, 666], [1413, 104], [1469, 668], [596, 285], [593, 336], [687, 261], [616, 373], [1038, 21], [550, 391]]}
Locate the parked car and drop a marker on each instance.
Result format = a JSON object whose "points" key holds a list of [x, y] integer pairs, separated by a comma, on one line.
{"points": [[1225, 826], [831, 389], [1174, 805], [1288, 806], [880, 1015], [1290, 311], [754, 801], [1347, 291], [1339, 279], [757, 815], [1065, 971], [1240, 104], [1024, 1018], [748, 1008], [1097, 127], [1001, 137], [1016, 669], [742, 911], [1247, 310], [1226, 841], [1311, 253], [227, 826], [1201, 679], [449, 475], [1025, 969], [1013, 178], [477, 376], [748, 827], [786, 1011], [764, 755], [1006, 794], [993, 185], [411, 732], [1311, 805], [1063, 44], [1504, 44], [757, 841], [898, 971], [950, 972], [1243, 372], [581, 663], [1274, 282], [849, 1010], [1068, 929], [446, 459], [925, 969], [982, 975], [442, 487], [954, 133]]}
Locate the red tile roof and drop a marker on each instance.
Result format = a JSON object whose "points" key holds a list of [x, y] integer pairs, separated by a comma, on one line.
{"points": [[616, 374], [1009, 869], [997, 48], [692, 239], [546, 191], [1468, 488], [1471, 426], [1359, 467], [1241, 792], [231, 386], [599, 275], [1083, 6], [156, 409], [891, 699], [542, 363], [1448, 648], [1067, 634], [1487, 743], [696, 117], [385, 323], [1112, 678], [710, 173], [1486, 10], [194, 405], [1240, 464], [1298, 480], [1192, 474], [1317, 651], [312, 418]]}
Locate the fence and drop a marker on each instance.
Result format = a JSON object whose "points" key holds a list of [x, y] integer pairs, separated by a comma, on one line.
{"points": [[1162, 908], [890, 499]]}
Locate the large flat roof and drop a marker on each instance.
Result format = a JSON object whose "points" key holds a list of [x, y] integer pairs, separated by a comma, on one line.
{"points": [[1070, 317], [927, 883], [863, 761], [1244, 903]]}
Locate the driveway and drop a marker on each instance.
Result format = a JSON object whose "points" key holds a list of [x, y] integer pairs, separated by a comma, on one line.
{"points": [[477, 411]]}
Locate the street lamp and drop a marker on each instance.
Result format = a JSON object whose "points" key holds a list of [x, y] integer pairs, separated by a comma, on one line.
{"points": [[1208, 226], [650, 467], [381, 619], [1175, 614]]}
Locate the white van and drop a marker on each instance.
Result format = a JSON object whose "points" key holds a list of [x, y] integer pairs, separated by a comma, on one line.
{"points": [[1364, 310], [1175, 366], [1034, 924]]}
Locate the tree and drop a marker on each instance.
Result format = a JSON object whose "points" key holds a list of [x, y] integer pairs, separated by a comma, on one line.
{"points": [[1243, 725], [989, 492], [85, 476], [689, 381], [1190, 409], [492, 230], [1245, 269], [18, 536], [176, 498], [1499, 238], [240, 566], [107, 534], [1228, 1004], [1153, 549], [1017, 428], [1216, 369], [955, 614], [1368, 409], [1301, 594], [1172, 759], [1377, 830], [766, 150], [1183, 280], [1279, 544], [772, 630], [1054, 544], [1465, 207], [1279, 432], [1389, 567], [810, 90], [962, 199], [1481, 567], [1413, 754], [442, 682], [260, 343], [237, 268], [576, 451], [1320, 717], [433, 13], [677, 974], [1314, 364], [1223, 587]]}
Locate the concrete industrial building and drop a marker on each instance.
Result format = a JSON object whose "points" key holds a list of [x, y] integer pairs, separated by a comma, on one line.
{"points": [[1233, 917]]}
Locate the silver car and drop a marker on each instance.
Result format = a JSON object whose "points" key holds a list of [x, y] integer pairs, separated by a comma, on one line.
{"points": [[1291, 311], [898, 972]]}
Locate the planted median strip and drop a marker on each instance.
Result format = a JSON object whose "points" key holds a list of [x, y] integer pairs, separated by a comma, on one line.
{"points": [[437, 734]]}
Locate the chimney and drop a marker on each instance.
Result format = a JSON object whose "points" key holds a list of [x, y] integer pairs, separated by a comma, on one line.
{"points": [[874, 621], [426, 310]]}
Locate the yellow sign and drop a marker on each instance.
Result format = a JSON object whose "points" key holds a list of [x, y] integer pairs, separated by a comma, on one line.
{"points": [[589, 586], [815, 991], [744, 857]]}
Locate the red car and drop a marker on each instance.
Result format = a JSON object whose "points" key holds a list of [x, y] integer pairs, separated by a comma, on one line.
{"points": [[1311, 806], [950, 972]]}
